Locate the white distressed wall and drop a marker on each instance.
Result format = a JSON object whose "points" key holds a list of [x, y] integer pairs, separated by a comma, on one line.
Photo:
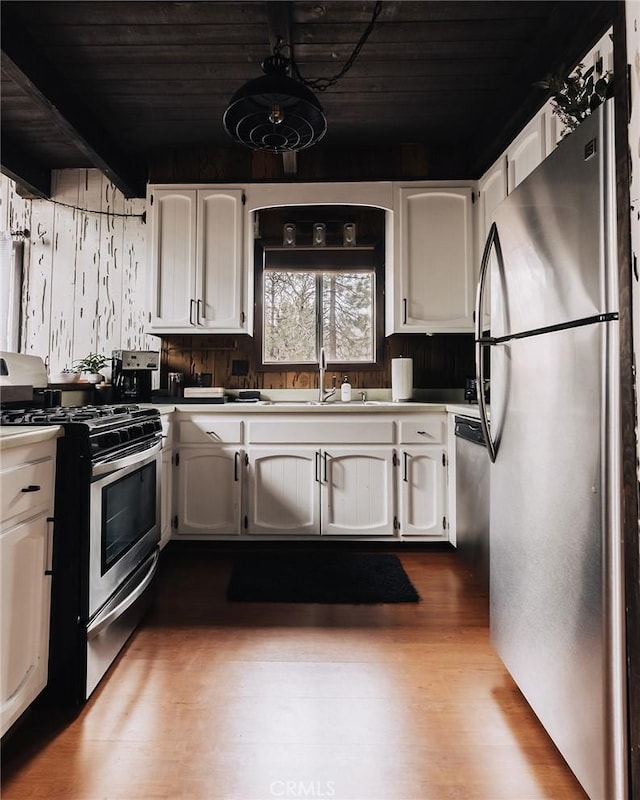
{"points": [[84, 273]]}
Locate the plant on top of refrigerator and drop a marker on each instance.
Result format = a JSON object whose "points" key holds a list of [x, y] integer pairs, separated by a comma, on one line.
{"points": [[577, 95]]}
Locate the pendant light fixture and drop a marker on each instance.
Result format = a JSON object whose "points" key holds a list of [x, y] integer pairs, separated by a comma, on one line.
{"points": [[280, 113], [275, 112]]}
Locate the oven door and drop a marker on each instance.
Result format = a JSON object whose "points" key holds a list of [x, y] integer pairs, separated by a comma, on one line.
{"points": [[124, 519]]}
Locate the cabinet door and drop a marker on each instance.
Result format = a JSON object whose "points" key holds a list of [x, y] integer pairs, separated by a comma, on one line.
{"points": [[526, 151], [422, 491], [173, 259], [357, 491], [283, 491], [492, 190], [434, 261], [24, 616], [209, 490], [220, 260]]}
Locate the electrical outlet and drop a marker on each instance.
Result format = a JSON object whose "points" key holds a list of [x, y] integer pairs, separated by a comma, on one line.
{"points": [[239, 367]]}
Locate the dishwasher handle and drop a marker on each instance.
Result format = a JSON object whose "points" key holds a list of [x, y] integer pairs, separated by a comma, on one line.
{"points": [[470, 430]]}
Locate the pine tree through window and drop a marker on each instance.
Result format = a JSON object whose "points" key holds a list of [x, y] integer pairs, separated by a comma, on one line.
{"points": [[314, 298]]}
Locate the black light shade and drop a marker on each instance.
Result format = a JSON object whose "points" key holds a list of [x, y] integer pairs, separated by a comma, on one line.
{"points": [[275, 112]]}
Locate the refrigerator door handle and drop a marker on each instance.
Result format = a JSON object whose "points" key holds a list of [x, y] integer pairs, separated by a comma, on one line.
{"points": [[493, 241]]}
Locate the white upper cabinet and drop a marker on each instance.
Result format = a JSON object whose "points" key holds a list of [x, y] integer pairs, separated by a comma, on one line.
{"points": [[526, 151], [431, 287], [492, 190], [197, 260], [219, 260], [173, 257]]}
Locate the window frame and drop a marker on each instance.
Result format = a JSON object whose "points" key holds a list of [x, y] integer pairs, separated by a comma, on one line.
{"points": [[308, 258]]}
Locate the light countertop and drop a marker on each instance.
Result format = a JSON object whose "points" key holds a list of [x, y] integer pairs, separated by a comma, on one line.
{"points": [[17, 436], [303, 407]]}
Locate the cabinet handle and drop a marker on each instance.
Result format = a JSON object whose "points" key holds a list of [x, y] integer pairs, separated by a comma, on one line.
{"points": [[421, 433], [199, 314], [236, 456], [317, 467], [325, 466], [30, 488], [404, 310], [191, 304], [405, 468]]}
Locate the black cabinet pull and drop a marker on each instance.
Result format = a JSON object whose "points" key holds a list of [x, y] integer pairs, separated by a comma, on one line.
{"points": [[405, 477], [404, 310], [30, 488], [236, 456]]}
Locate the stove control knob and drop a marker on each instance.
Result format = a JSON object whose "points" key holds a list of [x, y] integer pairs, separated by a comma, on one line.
{"points": [[148, 426], [108, 440], [135, 432]]}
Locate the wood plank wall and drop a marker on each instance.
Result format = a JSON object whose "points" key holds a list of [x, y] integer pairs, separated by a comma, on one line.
{"points": [[442, 361], [84, 273]]}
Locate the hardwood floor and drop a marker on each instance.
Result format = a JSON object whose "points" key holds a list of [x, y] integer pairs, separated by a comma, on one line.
{"points": [[245, 701]]}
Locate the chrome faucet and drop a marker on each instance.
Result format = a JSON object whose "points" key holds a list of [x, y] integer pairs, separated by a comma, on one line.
{"points": [[322, 368]]}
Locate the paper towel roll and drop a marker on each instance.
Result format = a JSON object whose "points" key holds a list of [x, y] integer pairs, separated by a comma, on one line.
{"points": [[401, 379]]}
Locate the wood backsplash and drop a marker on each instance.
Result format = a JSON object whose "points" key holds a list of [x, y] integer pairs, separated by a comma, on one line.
{"points": [[441, 361]]}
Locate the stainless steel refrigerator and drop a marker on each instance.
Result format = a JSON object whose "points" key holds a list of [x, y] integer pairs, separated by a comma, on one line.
{"points": [[556, 570]]}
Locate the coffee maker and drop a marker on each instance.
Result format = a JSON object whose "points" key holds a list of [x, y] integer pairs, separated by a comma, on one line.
{"points": [[131, 374]]}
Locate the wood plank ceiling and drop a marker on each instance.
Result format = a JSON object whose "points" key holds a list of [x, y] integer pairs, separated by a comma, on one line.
{"points": [[116, 85]]}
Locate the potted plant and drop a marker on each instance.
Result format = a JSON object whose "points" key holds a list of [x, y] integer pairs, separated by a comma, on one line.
{"points": [[90, 367]]}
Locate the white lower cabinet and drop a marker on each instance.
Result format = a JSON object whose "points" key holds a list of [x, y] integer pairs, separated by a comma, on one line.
{"points": [[282, 491], [422, 494], [284, 475], [307, 490], [357, 491], [209, 490], [26, 594], [26, 546]]}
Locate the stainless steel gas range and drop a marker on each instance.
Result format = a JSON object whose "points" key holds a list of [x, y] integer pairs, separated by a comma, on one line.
{"points": [[106, 536]]}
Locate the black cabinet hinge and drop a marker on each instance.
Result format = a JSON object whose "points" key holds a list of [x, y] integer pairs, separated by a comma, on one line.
{"points": [[444, 459], [473, 198], [396, 523], [444, 523]]}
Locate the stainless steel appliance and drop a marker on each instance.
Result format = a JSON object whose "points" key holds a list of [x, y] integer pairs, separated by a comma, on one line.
{"points": [[556, 596], [472, 498], [131, 374], [106, 536]]}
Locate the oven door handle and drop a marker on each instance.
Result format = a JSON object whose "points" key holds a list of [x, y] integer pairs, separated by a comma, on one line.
{"points": [[103, 621], [105, 467]]}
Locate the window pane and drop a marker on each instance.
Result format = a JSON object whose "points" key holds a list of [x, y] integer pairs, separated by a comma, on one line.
{"points": [[347, 316], [289, 316]]}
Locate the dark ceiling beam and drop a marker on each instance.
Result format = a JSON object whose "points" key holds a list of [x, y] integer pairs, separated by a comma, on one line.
{"points": [[44, 84], [33, 178], [570, 31], [279, 24]]}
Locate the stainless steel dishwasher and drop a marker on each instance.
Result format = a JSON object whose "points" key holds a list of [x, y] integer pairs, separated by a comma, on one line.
{"points": [[472, 498]]}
